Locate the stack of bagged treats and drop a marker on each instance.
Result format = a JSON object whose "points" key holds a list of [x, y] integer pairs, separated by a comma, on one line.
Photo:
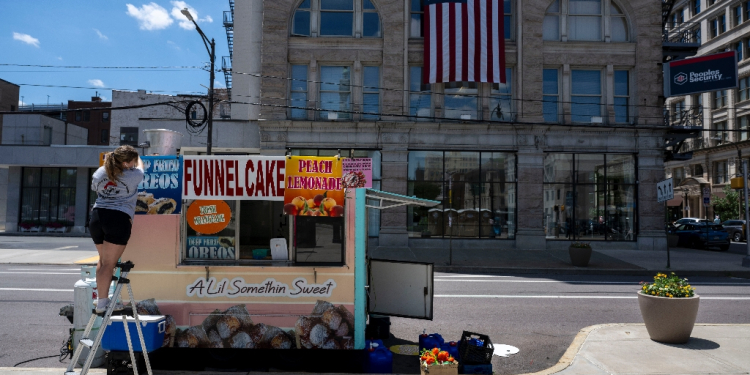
{"points": [[329, 327]]}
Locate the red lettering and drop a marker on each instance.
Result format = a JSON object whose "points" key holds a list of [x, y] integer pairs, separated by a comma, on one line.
{"points": [[230, 177], [260, 184], [238, 189], [270, 185], [302, 165], [328, 165], [314, 168], [219, 175], [249, 188], [331, 183], [188, 175], [208, 181], [318, 185], [198, 181], [338, 184], [281, 164], [290, 183]]}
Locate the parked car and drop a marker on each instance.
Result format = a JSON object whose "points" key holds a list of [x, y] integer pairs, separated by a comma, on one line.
{"points": [[688, 220], [702, 235], [734, 228]]}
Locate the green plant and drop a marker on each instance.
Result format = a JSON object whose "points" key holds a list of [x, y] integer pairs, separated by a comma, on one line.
{"points": [[668, 286], [728, 207], [581, 245]]}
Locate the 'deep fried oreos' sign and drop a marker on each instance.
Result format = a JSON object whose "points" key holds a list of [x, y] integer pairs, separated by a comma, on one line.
{"points": [[701, 74]]}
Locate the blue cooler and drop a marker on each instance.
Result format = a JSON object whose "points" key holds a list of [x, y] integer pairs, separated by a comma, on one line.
{"points": [[152, 326]]}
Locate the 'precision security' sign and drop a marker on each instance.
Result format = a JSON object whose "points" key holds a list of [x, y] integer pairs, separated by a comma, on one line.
{"points": [[701, 74]]}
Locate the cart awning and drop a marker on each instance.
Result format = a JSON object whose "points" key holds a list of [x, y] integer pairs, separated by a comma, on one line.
{"points": [[390, 200]]}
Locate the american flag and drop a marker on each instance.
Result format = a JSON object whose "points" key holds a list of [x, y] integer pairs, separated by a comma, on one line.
{"points": [[463, 41]]}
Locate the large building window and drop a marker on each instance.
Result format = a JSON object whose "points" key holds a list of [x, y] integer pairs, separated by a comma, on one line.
{"points": [[336, 18], [744, 126], [501, 99], [298, 95], [370, 93], [586, 95], [720, 135], [720, 99], [584, 21], [48, 195], [678, 111], [721, 172], [622, 96], [461, 100], [129, 136], [477, 191], [696, 7], [335, 92], [743, 93], [590, 197], [551, 98], [417, 17], [419, 96]]}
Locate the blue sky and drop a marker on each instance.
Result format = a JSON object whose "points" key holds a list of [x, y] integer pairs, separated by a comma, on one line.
{"points": [[108, 33]]}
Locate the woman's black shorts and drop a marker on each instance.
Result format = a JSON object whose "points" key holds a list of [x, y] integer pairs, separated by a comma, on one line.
{"points": [[112, 226]]}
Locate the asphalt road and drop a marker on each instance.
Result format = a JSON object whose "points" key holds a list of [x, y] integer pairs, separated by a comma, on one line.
{"points": [[539, 314]]}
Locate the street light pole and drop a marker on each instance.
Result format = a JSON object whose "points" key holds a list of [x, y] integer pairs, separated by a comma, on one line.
{"points": [[746, 259], [211, 48]]}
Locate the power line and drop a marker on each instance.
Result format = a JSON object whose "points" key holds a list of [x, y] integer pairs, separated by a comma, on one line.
{"points": [[102, 67], [97, 88]]}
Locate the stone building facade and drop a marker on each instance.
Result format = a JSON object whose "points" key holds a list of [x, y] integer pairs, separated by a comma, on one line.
{"points": [[717, 154], [570, 148]]}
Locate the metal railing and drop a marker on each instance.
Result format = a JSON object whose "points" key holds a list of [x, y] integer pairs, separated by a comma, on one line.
{"points": [[683, 32], [689, 116]]}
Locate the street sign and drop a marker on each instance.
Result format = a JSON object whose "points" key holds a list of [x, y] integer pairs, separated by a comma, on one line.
{"points": [[706, 196], [664, 190], [701, 74]]}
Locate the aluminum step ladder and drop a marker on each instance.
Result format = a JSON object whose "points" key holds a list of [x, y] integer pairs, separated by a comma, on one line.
{"points": [[94, 345]]}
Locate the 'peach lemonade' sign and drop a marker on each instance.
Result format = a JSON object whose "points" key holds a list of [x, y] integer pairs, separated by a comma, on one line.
{"points": [[313, 186]]}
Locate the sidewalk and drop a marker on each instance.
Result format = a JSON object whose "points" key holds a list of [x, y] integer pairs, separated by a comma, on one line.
{"points": [[605, 349], [684, 262], [627, 349]]}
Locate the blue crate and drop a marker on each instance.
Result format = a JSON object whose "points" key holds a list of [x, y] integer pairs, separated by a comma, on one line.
{"points": [[475, 369], [152, 326]]}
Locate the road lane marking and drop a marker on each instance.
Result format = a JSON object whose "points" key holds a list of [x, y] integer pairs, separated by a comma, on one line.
{"points": [[43, 269], [570, 297], [473, 276], [93, 259], [65, 247], [581, 282], [34, 290], [44, 273]]}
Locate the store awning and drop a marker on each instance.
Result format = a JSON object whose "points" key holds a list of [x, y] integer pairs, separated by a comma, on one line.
{"points": [[390, 200], [677, 201]]}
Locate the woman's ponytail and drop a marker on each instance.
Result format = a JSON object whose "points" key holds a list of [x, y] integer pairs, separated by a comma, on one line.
{"points": [[114, 160]]}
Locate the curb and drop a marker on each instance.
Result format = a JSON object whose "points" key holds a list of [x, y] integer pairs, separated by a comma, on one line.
{"points": [[570, 354], [588, 271]]}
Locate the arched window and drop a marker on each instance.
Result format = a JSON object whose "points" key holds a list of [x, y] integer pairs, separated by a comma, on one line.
{"points": [[584, 20], [336, 18]]}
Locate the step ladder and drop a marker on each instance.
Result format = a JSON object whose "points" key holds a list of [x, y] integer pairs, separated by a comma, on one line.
{"points": [[94, 345]]}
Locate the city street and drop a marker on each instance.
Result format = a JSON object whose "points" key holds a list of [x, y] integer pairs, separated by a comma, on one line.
{"points": [[539, 314]]}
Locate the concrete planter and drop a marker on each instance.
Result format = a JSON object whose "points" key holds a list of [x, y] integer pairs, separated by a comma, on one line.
{"points": [[669, 320], [579, 256]]}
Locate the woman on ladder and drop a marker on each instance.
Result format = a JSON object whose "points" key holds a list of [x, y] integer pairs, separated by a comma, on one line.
{"points": [[116, 187]]}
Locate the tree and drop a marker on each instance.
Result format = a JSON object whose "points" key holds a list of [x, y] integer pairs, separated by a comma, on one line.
{"points": [[728, 208]]}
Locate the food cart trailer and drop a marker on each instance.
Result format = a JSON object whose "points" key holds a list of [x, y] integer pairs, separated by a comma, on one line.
{"points": [[235, 270]]}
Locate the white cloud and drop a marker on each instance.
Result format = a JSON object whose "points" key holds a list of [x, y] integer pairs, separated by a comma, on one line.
{"points": [[174, 45], [150, 16], [26, 38], [96, 82], [178, 6], [101, 36], [59, 58], [218, 83], [20, 103]]}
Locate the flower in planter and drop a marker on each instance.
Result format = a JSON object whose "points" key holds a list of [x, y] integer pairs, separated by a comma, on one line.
{"points": [[581, 245], [436, 357], [28, 224], [54, 224], [668, 286]]}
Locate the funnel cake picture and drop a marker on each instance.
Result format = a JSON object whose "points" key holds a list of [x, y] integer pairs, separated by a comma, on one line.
{"points": [[354, 179]]}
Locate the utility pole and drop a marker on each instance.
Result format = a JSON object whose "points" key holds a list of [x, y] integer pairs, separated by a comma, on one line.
{"points": [[746, 259], [212, 54]]}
